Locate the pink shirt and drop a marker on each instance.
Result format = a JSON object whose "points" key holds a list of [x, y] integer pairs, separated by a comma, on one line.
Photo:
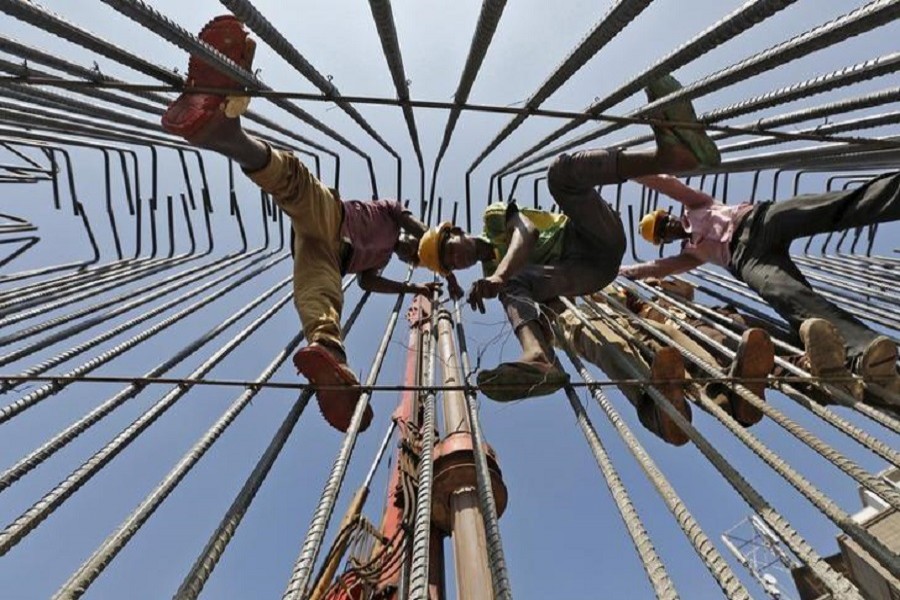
{"points": [[711, 226], [372, 229]]}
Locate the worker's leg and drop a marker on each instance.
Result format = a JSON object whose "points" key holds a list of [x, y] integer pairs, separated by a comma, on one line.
{"points": [[318, 298], [876, 201], [781, 284], [829, 332], [524, 296], [534, 373], [622, 359]]}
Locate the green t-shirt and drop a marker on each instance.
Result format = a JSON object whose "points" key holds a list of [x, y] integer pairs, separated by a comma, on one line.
{"points": [[551, 227]]}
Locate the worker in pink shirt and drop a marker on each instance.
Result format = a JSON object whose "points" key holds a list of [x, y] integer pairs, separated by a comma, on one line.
{"points": [[753, 243], [332, 237]]}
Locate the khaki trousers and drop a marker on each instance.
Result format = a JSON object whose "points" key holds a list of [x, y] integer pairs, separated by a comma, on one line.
{"points": [[316, 217]]}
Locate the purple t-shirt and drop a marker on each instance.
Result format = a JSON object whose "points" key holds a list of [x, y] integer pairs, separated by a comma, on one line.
{"points": [[372, 229]]}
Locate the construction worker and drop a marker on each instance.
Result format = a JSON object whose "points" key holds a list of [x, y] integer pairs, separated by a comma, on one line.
{"points": [[607, 345], [530, 257], [753, 242], [332, 237]]}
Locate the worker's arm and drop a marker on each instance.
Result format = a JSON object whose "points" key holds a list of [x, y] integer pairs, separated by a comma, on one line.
{"points": [[412, 225], [453, 288], [523, 237], [674, 189], [371, 281], [670, 265]]}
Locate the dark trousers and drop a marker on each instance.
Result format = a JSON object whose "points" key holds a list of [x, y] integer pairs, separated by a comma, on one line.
{"points": [[594, 242], [760, 254]]}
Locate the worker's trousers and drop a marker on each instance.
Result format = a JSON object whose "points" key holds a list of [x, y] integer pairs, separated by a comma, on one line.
{"points": [[760, 250], [316, 217], [594, 240]]}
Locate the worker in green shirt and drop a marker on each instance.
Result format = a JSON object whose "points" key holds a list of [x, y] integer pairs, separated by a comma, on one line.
{"points": [[532, 257]]}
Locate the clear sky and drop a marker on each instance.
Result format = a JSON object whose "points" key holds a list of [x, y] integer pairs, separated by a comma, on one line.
{"points": [[562, 535]]}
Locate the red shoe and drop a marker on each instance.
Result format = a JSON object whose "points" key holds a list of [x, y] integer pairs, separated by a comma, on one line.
{"points": [[194, 116], [319, 366]]}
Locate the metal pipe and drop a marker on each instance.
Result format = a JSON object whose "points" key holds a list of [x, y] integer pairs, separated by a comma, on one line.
{"points": [[299, 581]]}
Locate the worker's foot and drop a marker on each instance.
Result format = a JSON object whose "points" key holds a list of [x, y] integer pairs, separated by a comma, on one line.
{"points": [[755, 359], [694, 140], [197, 117], [827, 356], [324, 366], [667, 365], [521, 379], [878, 365]]}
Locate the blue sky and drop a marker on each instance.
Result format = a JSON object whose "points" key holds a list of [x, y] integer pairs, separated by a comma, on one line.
{"points": [[562, 536]]}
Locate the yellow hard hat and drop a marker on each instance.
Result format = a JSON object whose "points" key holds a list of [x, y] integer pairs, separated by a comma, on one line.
{"points": [[649, 226], [430, 248]]}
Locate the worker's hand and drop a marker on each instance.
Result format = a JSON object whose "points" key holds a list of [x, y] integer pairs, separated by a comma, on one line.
{"points": [[453, 287], [426, 289], [626, 273], [489, 287]]}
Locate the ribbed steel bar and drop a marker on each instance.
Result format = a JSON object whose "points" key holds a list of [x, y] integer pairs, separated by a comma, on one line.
{"points": [[499, 573], [35, 55], [38, 16], [838, 395], [34, 516], [390, 45], [839, 586], [421, 526], [87, 573], [206, 562], [871, 100], [152, 19], [34, 14], [711, 318], [303, 567], [715, 563], [619, 16], [870, 16], [116, 306], [840, 461], [734, 24], [112, 332], [488, 19], [663, 587], [64, 437], [862, 310], [250, 15], [823, 503]]}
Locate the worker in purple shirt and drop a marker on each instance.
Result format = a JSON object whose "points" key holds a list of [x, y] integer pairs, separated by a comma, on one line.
{"points": [[332, 237], [753, 243]]}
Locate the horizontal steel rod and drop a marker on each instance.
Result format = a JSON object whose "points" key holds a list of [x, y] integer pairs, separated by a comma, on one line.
{"points": [[558, 114], [393, 387]]}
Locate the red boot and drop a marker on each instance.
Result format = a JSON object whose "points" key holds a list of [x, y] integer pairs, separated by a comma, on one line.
{"points": [[320, 367], [194, 116]]}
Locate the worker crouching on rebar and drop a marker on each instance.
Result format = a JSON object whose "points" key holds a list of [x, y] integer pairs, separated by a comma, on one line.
{"points": [[753, 243], [607, 337], [531, 257], [332, 237]]}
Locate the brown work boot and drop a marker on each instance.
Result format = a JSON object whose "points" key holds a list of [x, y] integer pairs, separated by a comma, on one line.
{"points": [[667, 364], [878, 365], [755, 359], [827, 356]]}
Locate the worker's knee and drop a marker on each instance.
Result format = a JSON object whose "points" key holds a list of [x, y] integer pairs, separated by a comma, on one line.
{"points": [[559, 174]]}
